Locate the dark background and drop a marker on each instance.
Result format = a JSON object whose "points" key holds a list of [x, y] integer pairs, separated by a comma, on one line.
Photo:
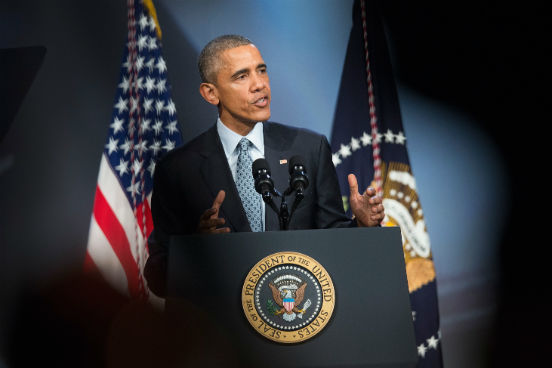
{"points": [[484, 59]]}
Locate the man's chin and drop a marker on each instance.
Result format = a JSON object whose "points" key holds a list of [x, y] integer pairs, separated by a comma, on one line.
{"points": [[252, 120], [264, 117]]}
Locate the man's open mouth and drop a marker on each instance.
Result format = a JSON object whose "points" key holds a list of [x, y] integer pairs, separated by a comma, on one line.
{"points": [[261, 102]]}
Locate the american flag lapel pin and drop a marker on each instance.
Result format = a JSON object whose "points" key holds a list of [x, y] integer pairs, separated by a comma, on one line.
{"points": [[283, 161]]}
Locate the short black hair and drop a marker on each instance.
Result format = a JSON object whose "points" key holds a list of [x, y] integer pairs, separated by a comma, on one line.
{"points": [[208, 61]]}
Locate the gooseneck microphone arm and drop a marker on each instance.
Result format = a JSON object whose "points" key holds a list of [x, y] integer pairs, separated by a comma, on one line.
{"points": [[264, 185], [284, 215], [298, 181], [298, 198]]}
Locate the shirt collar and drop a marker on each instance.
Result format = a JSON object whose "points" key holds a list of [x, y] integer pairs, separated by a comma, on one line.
{"points": [[230, 139]]}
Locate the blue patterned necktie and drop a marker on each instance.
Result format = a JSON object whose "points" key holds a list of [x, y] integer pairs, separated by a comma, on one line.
{"points": [[251, 200]]}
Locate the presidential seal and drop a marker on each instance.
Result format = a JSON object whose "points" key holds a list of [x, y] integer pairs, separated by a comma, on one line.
{"points": [[288, 297]]}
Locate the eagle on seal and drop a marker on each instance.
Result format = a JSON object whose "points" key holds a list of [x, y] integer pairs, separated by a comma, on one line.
{"points": [[287, 300]]}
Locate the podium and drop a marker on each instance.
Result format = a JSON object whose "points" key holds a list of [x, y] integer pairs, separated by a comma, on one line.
{"points": [[371, 324]]}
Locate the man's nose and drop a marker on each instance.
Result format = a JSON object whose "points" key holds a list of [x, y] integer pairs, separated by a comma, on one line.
{"points": [[258, 82]]}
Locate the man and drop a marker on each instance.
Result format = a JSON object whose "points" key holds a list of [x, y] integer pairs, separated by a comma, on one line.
{"points": [[206, 186]]}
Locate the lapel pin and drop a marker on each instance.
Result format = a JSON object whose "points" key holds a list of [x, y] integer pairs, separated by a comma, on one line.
{"points": [[284, 161]]}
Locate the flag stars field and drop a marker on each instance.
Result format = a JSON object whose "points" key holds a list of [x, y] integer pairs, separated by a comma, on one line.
{"points": [[161, 86], [346, 150], [117, 125], [389, 136], [148, 102], [169, 145], [161, 66], [422, 350], [145, 125], [355, 144], [155, 147], [171, 127], [152, 44], [121, 105], [432, 343], [143, 42], [366, 139], [122, 168], [111, 145], [149, 64], [400, 138], [141, 147], [150, 84], [143, 22], [125, 146], [158, 127], [159, 106], [171, 109], [136, 166], [151, 167], [124, 84], [134, 189]]}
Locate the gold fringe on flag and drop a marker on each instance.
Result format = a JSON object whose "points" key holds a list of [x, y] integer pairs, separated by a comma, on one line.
{"points": [[151, 10]]}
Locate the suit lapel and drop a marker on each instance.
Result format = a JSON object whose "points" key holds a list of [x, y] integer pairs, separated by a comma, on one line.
{"points": [[276, 154], [217, 175]]}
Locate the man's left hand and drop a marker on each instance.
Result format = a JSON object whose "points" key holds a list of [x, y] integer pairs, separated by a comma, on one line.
{"points": [[367, 207]]}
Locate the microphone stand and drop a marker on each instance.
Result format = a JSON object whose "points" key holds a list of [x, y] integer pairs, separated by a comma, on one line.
{"points": [[299, 195], [284, 216]]}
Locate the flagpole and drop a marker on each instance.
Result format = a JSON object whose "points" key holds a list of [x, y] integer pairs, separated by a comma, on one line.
{"points": [[373, 118]]}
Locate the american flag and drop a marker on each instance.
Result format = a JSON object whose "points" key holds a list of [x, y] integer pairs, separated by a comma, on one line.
{"points": [[142, 129], [368, 140]]}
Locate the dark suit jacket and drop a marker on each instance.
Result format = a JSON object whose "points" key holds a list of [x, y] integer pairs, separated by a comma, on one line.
{"points": [[187, 180]]}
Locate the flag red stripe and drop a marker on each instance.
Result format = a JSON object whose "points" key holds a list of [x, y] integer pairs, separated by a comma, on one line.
{"points": [[149, 219], [139, 219], [115, 234]]}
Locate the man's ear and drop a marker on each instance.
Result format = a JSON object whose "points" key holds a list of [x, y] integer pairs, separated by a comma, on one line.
{"points": [[209, 93]]}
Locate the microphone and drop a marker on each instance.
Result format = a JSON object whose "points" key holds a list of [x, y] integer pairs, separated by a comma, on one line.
{"points": [[298, 179], [265, 186], [263, 181]]}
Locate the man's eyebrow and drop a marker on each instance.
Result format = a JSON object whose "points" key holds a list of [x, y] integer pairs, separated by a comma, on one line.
{"points": [[241, 71], [245, 70]]}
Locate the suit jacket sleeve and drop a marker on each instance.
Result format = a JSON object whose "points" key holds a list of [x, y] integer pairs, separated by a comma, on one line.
{"points": [[168, 219], [329, 212]]}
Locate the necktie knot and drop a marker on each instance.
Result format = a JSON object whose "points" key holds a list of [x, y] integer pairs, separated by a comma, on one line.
{"points": [[244, 145]]}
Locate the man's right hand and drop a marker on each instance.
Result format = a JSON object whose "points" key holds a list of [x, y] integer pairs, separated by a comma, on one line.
{"points": [[209, 220]]}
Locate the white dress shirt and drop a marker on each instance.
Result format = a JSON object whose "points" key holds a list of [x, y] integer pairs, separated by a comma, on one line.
{"points": [[230, 140]]}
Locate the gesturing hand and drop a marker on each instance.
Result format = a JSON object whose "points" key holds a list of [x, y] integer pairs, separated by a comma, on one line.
{"points": [[367, 207], [209, 220]]}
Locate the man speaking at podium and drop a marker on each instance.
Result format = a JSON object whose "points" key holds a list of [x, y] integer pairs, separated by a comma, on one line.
{"points": [[207, 186]]}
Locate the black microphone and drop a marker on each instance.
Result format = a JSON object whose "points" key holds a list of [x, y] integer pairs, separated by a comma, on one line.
{"points": [[263, 181], [298, 179]]}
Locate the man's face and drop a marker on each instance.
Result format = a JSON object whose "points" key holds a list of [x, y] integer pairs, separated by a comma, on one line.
{"points": [[243, 87]]}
